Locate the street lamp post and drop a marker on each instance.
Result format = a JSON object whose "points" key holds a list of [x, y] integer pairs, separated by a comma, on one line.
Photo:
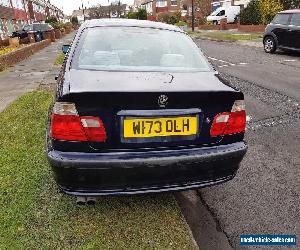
{"points": [[193, 17], [83, 13]]}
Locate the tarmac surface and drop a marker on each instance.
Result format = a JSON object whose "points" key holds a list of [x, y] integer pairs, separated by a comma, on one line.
{"points": [[264, 197]]}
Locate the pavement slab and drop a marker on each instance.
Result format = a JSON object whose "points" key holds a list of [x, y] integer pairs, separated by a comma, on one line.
{"points": [[29, 74]]}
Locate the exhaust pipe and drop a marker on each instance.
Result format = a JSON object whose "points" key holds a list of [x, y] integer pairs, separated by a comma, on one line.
{"points": [[91, 200], [81, 200]]}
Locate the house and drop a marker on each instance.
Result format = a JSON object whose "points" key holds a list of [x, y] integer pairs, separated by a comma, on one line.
{"points": [[226, 3], [154, 7], [81, 14], [113, 10], [15, 13]]}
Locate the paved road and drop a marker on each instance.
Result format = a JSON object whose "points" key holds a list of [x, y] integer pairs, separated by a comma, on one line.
{"points": [[27, 75], [278, 72], [265, 195]]}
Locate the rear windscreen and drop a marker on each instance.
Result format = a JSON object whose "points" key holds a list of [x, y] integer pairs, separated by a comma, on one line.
{"points": [[138, 49]]}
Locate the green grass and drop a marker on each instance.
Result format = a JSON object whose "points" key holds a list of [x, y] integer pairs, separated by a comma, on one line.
{"points": [[224, 36], [35, 215], [60, 59]]}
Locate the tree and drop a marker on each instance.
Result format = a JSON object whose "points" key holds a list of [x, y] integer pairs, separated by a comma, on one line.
{"points": [[142, 14], [51, 19], [251, 14], [74, 20], [260, 11], [290, 4], [169, 17], [268, 9], [132, 15], [203, 7], [115, 9], [99, 11]]}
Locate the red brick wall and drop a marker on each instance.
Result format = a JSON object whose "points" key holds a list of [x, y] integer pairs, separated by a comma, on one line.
{"points": [[209, 27], [6, 13], [21, 54], [252, 28], [161, 9], [151, 18], [227, 26], [19, 14]]}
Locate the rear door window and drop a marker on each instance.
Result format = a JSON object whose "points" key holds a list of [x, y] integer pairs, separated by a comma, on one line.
{"points": [[295, 20], [281, 19]]}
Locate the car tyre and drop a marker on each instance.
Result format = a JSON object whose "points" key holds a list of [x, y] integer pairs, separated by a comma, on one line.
{"points": [[270, 44]]}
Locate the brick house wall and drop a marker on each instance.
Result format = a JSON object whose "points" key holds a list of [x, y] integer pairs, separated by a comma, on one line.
{"points": [[156, 9], [16, 13]]}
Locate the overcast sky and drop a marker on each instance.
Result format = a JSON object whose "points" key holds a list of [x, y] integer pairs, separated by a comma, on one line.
{"points": [[69, 5]]}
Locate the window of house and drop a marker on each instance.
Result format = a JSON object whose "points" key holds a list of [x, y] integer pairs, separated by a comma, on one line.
{"points": [[295, 19], [161, 3], [18, 4], [38, 8], [5, 3], [174, 2]]}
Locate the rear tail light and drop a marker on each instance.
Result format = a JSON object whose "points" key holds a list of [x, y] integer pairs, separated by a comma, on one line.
{"points": [[94, 129], [228, 123], [67, 125]]}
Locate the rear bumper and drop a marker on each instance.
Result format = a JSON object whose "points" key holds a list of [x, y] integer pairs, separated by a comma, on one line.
{"points": [[119, 173]]}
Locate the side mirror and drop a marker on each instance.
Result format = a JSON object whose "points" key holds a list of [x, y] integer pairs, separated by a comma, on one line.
{"points": [[66, 48]]}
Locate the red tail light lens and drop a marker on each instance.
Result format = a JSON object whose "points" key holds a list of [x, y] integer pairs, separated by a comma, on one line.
{"points": [[94, 129], [236, 123], [230, 122], [67, 128], [67, 125], [219, 124]]}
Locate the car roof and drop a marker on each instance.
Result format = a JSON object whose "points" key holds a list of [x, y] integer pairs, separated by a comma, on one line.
{"points": [[294, 11], [117, 22]]}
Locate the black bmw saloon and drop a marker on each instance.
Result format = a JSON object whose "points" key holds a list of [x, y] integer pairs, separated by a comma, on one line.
{"points": [[138, 109]]}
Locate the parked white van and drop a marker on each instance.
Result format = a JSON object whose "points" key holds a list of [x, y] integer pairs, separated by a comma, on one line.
{"points": [[230, 13]]}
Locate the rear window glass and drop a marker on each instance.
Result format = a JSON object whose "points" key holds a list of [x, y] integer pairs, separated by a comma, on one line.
{"points": [[138, 49], [281, 19], [295, 19]]}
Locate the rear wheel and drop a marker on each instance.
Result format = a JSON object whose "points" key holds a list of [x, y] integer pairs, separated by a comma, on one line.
{"points": [[269, 44]]}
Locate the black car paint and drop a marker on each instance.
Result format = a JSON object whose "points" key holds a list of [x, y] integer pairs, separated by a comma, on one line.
{"points": [[286, 36], [148, 171], [157, 166]]}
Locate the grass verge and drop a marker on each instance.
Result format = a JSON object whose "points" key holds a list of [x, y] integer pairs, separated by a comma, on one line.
{"points": [[60, 59], [223, 36], [34, 215]]}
